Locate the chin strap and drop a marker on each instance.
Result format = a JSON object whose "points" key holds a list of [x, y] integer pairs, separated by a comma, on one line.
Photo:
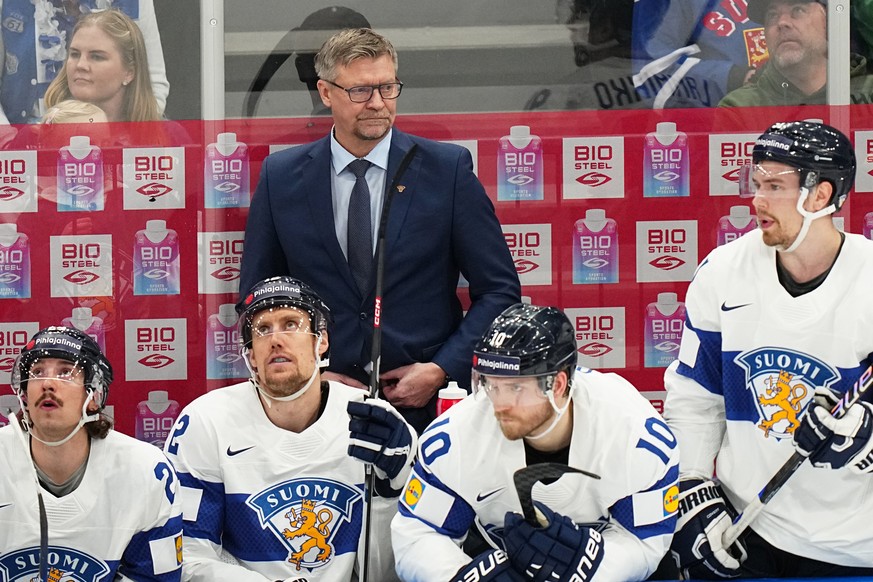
{"points": [[559, 412], [269, 397], [808, 217], [83, 420]]}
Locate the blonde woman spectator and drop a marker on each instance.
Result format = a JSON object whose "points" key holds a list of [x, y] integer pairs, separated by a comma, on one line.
{"points": [[107, 65], [35, 35]]}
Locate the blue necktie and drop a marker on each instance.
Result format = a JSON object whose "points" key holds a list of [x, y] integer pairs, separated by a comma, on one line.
{"points": [[360, 233]]}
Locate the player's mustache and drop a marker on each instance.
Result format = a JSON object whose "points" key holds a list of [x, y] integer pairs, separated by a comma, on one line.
{"points": [[48, 396]]}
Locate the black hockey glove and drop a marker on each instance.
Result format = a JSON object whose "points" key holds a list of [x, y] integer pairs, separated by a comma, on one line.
{"points": [[489, 566], [833, 443], [561, 550], [697, 544], [380, 436]]}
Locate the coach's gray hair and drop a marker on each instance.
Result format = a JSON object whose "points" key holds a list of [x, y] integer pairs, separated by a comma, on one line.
{"points": [[350, 45]]}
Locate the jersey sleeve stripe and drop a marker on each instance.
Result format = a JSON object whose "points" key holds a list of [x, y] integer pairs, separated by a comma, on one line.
{"points": [[430, 501], [652, 512]]}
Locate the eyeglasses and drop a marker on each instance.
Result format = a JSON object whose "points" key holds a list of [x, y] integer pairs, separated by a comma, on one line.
{"points": [[364, 93]]}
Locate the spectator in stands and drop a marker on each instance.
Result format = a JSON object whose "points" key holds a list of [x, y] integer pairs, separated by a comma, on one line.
{"points": [[30, 66], [796, 74], [691, 53], [107, 65]]}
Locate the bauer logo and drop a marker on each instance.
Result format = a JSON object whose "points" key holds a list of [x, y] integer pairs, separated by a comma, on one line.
{"points": [[13, 337], [531, 249], [81, 266], [600, 336], [219, 255], [727, 154], [864, 155], [63, 564], [593, 167], [156, 349], [666, 250], [18, 182], [154, 178]]}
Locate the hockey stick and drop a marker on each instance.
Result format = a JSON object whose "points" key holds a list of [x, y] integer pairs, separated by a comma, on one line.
{"points": [[776, 482], [376, 351], [43, 518], [526, 477]]}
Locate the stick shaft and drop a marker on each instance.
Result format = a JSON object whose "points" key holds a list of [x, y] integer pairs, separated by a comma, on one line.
{"points": [[376, 351], [790, 466]]}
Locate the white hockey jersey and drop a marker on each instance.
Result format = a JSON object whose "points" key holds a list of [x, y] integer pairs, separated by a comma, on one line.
{"points": [[464, 476], [750, 359], [264, 503], [123, 522]]}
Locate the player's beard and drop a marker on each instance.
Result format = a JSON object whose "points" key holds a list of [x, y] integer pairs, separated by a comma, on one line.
{"points": [[520, 422], [285, 383], [777, 235]]}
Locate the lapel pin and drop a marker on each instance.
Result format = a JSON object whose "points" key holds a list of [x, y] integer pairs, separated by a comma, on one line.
{"points": [[401, 188]]}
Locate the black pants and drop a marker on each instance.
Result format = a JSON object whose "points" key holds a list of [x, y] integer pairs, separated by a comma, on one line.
{"points": [[767, 561]]}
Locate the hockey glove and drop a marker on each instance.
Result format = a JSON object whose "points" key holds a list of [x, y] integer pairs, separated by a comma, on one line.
{"points": [[380, 436], [561, 550], [489, 566], [697, 547], [833, 443]]}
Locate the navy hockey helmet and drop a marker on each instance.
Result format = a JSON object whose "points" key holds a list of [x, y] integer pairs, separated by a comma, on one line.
{"points": [[71, 345], [822, 154], [527, 340], [281, 291]]}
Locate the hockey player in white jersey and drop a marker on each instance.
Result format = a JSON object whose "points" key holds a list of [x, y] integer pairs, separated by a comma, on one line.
{"points": [[778, 324], [271, 475], [459, 515], [111, 508]]}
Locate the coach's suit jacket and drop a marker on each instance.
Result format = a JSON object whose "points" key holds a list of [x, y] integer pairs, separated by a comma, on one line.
{"points": [[440, 224]]}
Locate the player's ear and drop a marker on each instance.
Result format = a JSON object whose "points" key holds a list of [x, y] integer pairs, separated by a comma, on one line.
{"points": [[561, 385], [823, 194], [325, 343]]}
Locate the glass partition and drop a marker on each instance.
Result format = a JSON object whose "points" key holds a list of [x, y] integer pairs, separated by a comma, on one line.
{"points": [[593, 126]]}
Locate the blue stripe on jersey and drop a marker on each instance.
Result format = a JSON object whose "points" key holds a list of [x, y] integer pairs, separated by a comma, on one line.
{"points": [[623, 510], [137, 563], [707, 366], [460, 515], [211, 511]]}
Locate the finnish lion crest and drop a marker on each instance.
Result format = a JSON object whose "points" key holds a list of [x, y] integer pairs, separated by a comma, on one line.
{"points": [[306, 514], [781, 383], [312, 525], [787, 399]]}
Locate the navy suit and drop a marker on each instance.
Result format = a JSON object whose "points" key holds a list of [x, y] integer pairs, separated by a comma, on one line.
{"points": [[440, 225]]}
